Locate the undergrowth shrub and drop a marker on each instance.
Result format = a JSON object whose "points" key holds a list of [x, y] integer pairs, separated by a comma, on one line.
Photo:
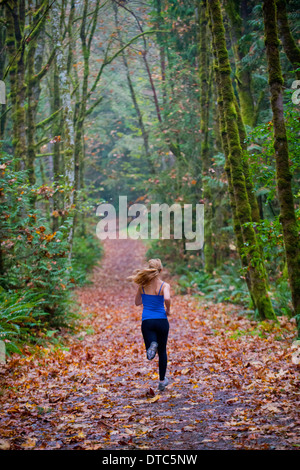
{"points": [[21, 315], [37, 278], [226, 284], [86, 253]]}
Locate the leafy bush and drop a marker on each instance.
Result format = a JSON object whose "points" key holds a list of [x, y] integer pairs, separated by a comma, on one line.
{"points": [[174, 257], [224, 286], [37, 277], [20, 314], [282, 298], [227, 285], [87, 251]]}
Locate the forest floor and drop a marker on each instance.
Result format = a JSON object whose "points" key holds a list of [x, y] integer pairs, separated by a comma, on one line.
{"points": [[233, 384]]}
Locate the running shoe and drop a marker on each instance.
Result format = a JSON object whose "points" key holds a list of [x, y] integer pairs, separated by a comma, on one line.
{"points": [[162, 384], [151, 351]]}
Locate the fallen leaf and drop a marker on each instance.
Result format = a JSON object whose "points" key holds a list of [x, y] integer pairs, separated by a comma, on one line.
{"points": [[154, 399], [29, 443], [4, 444], [189, 428]]}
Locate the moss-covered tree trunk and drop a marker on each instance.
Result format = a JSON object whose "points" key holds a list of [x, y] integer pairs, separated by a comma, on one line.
{"points": [[81, 106], [204, 124], [19, 115], [34, 74], [30, 110], [284, 188], [3, 56], [253, 201], [225, 145], [161, 40], [87, 32], [246, 169], [15, 15], [289, 44], [243, 209], [67, 112], [242, 74], [57, 169]]}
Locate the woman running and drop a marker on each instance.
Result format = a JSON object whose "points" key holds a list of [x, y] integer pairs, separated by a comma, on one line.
{"points": [[154, 295]]}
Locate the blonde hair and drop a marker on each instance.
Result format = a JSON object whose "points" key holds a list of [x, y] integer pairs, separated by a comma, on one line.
{"points": [[144, 276]]}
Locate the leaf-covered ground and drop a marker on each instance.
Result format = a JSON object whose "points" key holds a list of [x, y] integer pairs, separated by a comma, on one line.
{"points": [[233, 383]]}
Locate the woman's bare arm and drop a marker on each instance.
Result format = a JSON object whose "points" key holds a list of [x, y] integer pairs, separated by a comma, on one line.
{"points": [[167, 298], [138, 297]]}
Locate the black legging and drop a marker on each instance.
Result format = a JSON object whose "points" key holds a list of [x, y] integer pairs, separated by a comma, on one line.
{"points": [[157, 329]]}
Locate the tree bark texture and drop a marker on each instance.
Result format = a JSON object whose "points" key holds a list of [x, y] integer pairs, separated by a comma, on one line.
{"points": [[243, 209], [289, 44], [242, 74], [284, 187], [204, 124]]}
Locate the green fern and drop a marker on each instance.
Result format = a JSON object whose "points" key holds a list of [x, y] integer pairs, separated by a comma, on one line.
{"points": [[19, 312]]}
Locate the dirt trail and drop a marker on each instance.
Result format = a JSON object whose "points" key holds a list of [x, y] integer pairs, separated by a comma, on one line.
{"points": [[227, 391]]}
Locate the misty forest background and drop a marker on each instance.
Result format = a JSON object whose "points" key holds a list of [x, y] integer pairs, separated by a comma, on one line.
{"points": [[165, 102]]}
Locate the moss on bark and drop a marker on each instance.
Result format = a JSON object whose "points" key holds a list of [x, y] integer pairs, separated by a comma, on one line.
{"points": [[15, 17], [30, 116], [289, 44], [204, 123], [242, 75], [284, 188], [235, 161], [224, 140]]}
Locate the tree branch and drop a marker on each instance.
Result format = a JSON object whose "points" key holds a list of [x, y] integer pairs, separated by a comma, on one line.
{"points": [[91, 109], [48, 119], [24, 40], [44, 70], [110, 59]]}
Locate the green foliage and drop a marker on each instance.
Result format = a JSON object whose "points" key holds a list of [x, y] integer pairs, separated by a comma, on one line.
{"points": [[21, 313], [172, 254], [226, 285], [181, 16], [33, 257], [261, 152], [37, 277], [87, 251], [282, 298], [36, 274]]}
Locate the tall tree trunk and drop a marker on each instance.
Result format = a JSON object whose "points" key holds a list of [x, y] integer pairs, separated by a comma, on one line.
{"points": [[33, 78], [57, 170], [86, 37], [225, 145], [289, 44], [248, 179], [159, 23], [20, 117], [81, 106], [243, 209], [242, 75], [65, 96], [16, 47], [3, 56], [205, 153], [253, 201], [30, 111], [284, 188], [34, 58]]}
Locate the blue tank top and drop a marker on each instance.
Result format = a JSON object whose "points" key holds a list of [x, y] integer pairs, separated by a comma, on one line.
{"points": [[153, 305]]}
